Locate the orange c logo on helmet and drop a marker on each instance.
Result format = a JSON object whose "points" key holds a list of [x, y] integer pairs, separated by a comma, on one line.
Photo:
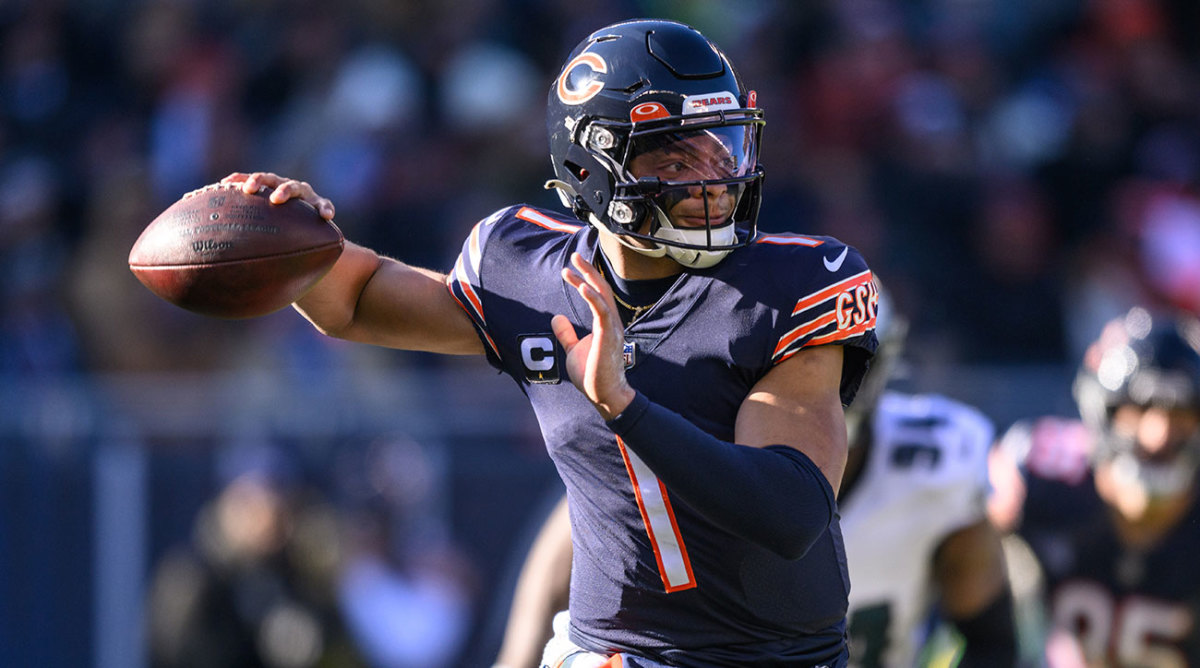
{"points": [[592, 62], [648, 111]]}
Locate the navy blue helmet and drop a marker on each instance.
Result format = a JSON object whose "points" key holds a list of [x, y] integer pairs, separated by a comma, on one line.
{"points": [[1150, 360], [639, 86]]}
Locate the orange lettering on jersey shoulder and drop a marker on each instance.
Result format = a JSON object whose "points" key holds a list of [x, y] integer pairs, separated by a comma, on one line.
{"points": [[857, 306], [854, 309], [840, 311]]}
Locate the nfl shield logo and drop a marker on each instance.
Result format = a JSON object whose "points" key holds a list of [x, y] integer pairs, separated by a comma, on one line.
{"points": [[629, 354]]}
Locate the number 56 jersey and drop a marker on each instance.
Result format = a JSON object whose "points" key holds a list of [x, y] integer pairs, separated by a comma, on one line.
{"points": [[650, 574], [925, 477]]}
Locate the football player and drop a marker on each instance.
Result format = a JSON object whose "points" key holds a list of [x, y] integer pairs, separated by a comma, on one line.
{"points": [[913, 516], [1109, 504], [688, 373]]}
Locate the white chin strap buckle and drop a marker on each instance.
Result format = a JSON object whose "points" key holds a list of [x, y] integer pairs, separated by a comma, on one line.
{"points": [[696, 259], [725, 235]]}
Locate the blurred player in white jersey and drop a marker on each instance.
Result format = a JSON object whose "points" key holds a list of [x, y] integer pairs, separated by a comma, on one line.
{"points": [[920, 549], [913, 509]]}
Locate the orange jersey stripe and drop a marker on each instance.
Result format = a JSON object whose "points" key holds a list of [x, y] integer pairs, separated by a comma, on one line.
{"points": [[829, 291], [804, 330], [476, 305], [532, 216], [486, 336], [843, 333], [469, 290]]}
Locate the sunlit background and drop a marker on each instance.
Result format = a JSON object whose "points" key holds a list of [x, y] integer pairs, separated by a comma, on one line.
{"points": [[1016, 172]]}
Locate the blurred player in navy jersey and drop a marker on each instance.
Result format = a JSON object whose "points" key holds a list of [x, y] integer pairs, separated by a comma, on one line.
{"points": [[1109, 505], [688, 372], [913, 516]]}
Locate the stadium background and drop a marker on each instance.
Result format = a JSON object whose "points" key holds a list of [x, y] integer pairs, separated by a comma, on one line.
{"points": [[1015, 170]]}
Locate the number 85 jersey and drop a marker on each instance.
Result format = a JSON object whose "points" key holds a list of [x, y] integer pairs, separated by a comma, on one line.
{"points": [[1126, 600]]}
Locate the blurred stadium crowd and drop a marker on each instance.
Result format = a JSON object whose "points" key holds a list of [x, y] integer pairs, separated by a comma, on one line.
{"points": [[1018, 171]]}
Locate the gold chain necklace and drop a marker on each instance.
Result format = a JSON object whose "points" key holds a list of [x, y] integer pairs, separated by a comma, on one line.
{"points": [[637, 311]]}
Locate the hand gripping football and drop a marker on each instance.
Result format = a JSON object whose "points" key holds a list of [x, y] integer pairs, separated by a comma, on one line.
{"points": [[220, 252]]}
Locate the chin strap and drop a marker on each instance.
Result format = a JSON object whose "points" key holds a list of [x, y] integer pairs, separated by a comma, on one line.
{"points": [[692, 257], [568, 196], [688, 257], [656, 251], [556, 184]]}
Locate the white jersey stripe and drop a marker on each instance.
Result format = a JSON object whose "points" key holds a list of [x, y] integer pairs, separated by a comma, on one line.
{"points": [[788, 240], [547, 222], [474, 251], [673, 564]]}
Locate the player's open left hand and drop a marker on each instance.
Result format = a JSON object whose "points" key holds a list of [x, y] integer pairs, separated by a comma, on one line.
{"points": [[283, 189], [595, 362]]}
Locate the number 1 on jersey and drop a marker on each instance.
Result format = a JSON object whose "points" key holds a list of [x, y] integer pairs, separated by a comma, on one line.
{"points": [[655, 507]]}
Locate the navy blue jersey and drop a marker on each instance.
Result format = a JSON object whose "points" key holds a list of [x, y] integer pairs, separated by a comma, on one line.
{"points": [[650, 575], [1127, 606]]}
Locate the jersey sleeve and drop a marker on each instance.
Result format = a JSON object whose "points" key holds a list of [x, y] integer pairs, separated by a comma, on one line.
{"points": [[942, 447], [968, 437], [834, 303], [1050, 459], [465, 282]]}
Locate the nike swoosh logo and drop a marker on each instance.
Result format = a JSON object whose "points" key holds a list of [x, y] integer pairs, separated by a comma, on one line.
{"points": [[834, 265]]}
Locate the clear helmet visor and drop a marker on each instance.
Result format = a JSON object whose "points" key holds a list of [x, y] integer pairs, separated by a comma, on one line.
{"points": [[686, 155], [695, 179]]}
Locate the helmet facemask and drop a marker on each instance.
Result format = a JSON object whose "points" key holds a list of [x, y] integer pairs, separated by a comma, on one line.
{"points": [[689, 187], [1142, 480], [1149, 362]]}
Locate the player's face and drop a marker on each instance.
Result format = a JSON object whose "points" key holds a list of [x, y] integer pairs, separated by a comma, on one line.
{"points": [[1159, 433], [1154, 472], [694, 157]]}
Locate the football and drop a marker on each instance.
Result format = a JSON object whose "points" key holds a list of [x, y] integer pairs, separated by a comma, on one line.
{"points": [[220, 252]]}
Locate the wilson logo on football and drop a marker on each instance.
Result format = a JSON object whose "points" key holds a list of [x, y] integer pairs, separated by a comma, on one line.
{"points": [[210, 246], [594, 63], [648, 111]]}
